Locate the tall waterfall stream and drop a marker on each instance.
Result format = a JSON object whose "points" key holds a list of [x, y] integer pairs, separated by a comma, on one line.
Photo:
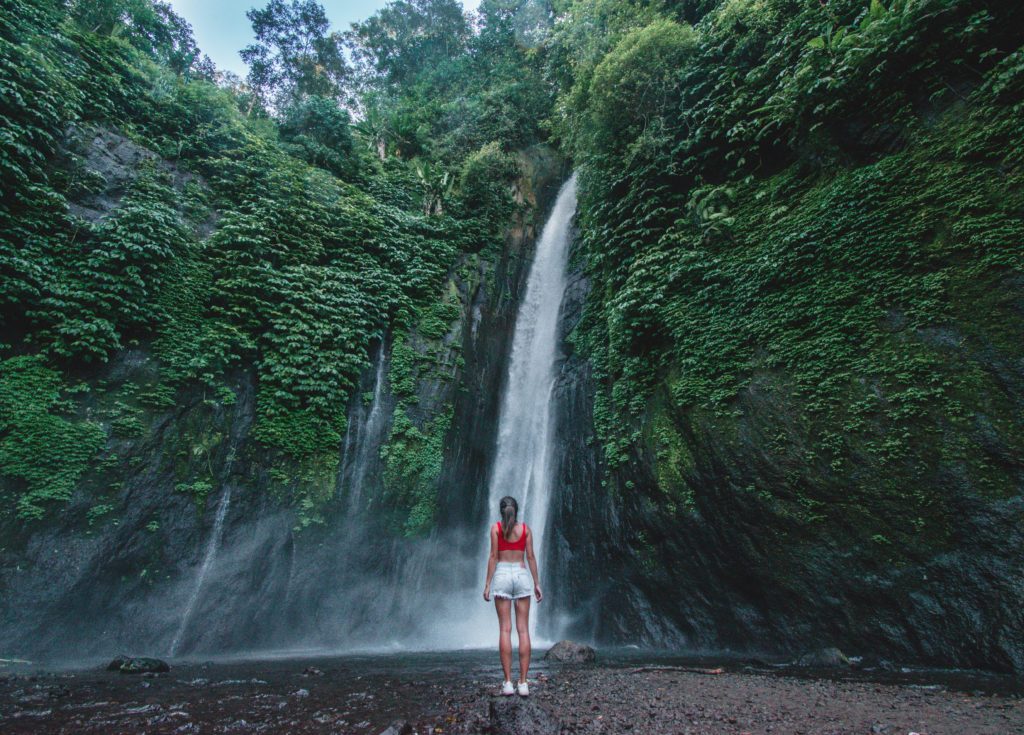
{"points": [[522, 467], [432, 597]]}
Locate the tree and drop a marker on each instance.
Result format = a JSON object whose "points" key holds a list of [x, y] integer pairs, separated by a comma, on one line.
{"points": [[149, 25], [317, 131], [294, 56], [407, 37], [636, 85]]}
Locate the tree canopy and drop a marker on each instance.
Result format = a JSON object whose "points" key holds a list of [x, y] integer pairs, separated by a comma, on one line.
{"points": [[294, 56]]}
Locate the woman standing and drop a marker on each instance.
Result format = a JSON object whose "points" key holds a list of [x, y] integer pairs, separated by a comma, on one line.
{"points": [[511, 542]]}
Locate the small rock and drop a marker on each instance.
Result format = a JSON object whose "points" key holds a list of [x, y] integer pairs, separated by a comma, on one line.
{"points": [[570, 652], [520, 716], [137, 665], [823, 657], [312, 671], [300, 693], [114, 665]]}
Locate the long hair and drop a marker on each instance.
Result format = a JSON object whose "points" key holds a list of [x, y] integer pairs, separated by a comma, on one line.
{"points": [[509, 510]]}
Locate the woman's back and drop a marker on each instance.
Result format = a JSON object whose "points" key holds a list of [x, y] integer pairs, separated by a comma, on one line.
{"points": [[512, 549]]}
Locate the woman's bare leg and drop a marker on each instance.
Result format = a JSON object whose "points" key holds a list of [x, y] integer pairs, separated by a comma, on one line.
{"points": [[504, 608], [523, 631]]}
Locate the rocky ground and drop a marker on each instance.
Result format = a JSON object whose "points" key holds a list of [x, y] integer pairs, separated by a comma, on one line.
{"points": [[352, 696]]}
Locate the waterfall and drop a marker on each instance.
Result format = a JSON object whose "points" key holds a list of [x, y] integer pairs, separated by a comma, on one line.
{"points": [[368, 440], [426, 593], [433, 570], [211, 553], [522, 466]]}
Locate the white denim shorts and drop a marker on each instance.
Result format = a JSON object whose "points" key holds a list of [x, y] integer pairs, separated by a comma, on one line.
{"points": [[511, 581]]}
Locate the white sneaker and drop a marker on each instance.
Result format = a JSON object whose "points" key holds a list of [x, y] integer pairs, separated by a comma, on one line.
{"points": [[523, 689], [507, 689]]}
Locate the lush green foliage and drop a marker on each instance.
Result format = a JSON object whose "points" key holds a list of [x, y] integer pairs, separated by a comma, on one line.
{"points": [[412, 466], [791, 214], [317, 131], [151, 27], [796, 239], [249, 236], [294, 57], [406, 39], [109, 288], [42, 453]]}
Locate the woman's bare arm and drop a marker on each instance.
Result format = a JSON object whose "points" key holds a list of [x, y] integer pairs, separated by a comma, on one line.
{"points": [[492, 562], [532, 561]]}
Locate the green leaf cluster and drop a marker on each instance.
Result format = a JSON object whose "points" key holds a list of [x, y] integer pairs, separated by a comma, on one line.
{"points": [[43, 452], [248, 239], [412, 466]]}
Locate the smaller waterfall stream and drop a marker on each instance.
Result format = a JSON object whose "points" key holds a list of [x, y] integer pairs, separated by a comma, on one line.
{"points": [[211, 553], [368, 439]]}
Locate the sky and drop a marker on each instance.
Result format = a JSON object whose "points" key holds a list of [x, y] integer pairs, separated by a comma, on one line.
{"points": [[222, 30]]}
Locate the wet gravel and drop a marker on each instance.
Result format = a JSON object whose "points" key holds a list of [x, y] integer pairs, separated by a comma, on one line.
{"points": [[617, 701], [450, 693]]}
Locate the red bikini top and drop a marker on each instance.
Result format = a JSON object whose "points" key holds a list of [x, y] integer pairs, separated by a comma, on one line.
{"points": [[504, 545]]}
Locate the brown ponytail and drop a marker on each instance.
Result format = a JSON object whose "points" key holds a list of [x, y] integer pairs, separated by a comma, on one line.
{"points": [[509, 510]]}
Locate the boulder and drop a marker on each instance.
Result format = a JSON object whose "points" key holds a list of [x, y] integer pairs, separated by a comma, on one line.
{"points": [[570, 652], [128, 665], [823, 657], [520, 716]]}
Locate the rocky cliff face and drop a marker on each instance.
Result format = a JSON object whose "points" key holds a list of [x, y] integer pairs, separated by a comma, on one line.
{"points": [[140, 561], [676, 546], [734, 573]]}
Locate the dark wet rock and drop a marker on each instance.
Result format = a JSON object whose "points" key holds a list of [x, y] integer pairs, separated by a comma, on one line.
{"points": [[570, 652], [128, 665], [398, 728], [520, 716], [823, 657], [731, 583], [110, 161], [872, 663], [312, 671]]}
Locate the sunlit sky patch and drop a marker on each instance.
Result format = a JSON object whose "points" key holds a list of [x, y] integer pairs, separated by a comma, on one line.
{"points": [[222, 30]]}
